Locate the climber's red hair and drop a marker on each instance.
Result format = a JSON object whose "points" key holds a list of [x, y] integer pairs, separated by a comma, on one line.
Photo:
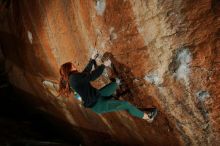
{"points": [[64, 86]]}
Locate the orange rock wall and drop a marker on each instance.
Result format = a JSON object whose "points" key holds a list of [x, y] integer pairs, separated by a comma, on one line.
{"points": [[167, 52]]}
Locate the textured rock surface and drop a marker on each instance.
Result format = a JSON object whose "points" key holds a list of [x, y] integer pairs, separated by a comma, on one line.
{"points": [[166, 51]]}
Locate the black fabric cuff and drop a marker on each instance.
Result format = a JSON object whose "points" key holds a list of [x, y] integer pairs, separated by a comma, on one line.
{"points": [[92, 60]]}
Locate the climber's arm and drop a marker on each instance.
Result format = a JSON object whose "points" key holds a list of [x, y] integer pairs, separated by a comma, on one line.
{"points": [[88, 67], [92, 62], [96, 73]]}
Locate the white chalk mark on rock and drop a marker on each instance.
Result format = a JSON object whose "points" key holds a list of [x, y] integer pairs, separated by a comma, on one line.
{"points": [[183, 70], [153, 78], [202, 95], [100, 7], [30, 37], [113, 35]]}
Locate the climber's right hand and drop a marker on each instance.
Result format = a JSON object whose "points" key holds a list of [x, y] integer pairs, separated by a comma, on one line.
{"points": [[95, 54]]}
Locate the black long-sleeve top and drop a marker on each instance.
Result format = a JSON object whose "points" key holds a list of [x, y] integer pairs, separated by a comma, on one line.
{"points": [[80, 82]]}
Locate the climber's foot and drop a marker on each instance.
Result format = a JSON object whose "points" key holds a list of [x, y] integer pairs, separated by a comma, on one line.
{"points": [[150, 115]]}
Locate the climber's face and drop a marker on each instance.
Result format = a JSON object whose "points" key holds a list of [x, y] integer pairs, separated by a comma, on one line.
{"points": [[73, 68]]}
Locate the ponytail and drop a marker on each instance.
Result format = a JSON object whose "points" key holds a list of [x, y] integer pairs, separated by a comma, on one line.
{"points": [[64, 86]]}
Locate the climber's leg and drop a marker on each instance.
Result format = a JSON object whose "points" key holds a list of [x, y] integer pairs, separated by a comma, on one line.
{"points": [[109, 89], [104, 106]]}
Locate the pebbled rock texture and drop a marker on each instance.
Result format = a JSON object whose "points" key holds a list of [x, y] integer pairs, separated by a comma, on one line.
{"points": [[167, 53]]}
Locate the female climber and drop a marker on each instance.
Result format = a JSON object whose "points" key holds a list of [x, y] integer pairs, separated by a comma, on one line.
{"points": [[98, 100]]}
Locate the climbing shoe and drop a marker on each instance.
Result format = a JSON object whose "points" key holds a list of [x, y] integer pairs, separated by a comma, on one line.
{"points": [[150, 115]]}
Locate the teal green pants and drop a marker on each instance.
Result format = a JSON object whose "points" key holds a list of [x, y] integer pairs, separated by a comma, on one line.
{"points": [[105, 105]]}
